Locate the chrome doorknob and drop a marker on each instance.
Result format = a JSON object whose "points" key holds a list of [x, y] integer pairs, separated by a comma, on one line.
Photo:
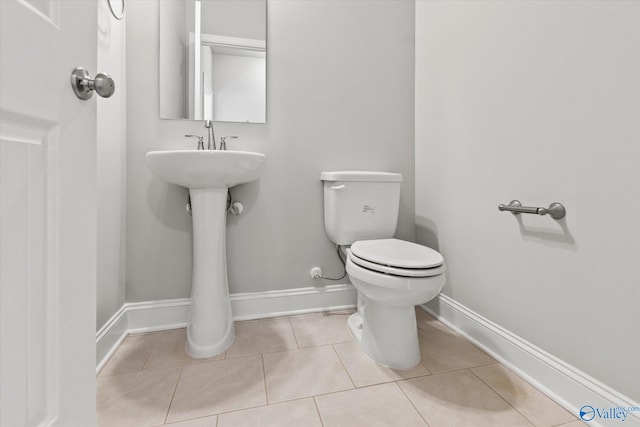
{"points": [[84, 86], [103, 85]]}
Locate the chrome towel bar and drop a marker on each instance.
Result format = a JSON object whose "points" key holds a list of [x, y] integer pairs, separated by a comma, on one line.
{"points": [[555, 210]]}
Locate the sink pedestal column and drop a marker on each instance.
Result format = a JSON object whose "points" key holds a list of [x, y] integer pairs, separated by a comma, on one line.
{"points": [[210, 328]]}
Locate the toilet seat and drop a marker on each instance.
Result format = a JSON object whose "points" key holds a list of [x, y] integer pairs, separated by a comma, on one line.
{"points": [[397, 257]]}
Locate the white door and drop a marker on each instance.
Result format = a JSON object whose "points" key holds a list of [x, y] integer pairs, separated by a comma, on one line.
{"points": [[47, 214]]}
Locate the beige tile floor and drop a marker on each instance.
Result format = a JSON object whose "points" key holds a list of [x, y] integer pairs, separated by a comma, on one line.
{"points": [[307, 371]]}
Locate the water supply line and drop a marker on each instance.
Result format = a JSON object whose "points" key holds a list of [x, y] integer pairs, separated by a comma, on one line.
{"points": [[233, 206], [343, 263]]}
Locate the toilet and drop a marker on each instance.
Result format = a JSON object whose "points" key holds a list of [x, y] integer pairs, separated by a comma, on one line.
{"points": [[391, 276]]}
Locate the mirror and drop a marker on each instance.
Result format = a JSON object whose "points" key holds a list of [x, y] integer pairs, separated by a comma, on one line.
{"points": [[213, 60]]}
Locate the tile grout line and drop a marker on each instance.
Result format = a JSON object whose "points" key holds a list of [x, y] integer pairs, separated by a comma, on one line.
{"points": [[484, 364], [326, 344], [313, 396], [411, 401], [425, 367], [149, 356], [500, 395], [451, 371], [351, 389], [270, 352], [232, 411], [264, 379], [173, 395], [322, 345], [568, 422], [344, 366], [189, 420], [295, 338], [146, 360], [315, 403]]}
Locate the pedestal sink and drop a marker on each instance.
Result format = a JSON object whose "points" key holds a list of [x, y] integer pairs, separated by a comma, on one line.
{"points": [[208, 174]]}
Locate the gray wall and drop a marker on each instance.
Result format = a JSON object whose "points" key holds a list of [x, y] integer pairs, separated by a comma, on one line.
{"points": [[234, 18], [536, 101], [340, 90], [111, 129]]}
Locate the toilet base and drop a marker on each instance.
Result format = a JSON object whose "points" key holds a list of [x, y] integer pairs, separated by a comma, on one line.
{"points": [[354, 326], [388, 335]]}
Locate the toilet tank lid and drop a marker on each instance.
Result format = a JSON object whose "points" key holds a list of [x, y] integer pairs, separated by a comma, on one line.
{"points": [[360, 176]]}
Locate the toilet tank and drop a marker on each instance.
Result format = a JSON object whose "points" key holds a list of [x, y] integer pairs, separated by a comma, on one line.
{"points": [[360, 205]]}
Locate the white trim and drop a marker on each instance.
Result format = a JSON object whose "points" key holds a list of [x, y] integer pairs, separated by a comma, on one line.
{"points": [[151, 316], [234, 42], [564, 383], [260, 305], [53, 269], [109, 337]]}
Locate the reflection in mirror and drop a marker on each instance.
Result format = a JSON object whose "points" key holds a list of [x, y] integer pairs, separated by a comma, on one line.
{"points": [[213, 60]]}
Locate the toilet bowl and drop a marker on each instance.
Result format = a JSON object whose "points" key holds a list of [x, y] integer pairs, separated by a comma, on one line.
{"points": [[392, 277]]}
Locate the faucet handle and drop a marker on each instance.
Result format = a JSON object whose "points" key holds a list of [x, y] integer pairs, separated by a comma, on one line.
{"points": [[223, 141], [200, 141]]}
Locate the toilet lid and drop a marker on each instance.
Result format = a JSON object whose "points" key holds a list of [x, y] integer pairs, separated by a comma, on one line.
{"points": [[397, 254]]}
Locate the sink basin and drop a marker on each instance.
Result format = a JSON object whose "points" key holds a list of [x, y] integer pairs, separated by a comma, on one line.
{"points": [[205, 168], [208, 175]]}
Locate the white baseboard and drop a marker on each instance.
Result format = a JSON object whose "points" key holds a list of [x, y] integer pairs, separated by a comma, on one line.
{"points": [[564, 383], [170, 314], [261, 305]]}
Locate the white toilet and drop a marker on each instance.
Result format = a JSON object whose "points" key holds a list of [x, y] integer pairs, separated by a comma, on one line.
{"points": [[391, 276]]}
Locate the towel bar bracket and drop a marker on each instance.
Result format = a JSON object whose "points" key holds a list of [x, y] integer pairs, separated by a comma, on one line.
{"points": [[555, 210]]}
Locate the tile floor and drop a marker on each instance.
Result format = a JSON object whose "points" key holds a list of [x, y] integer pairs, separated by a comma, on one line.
{"points": [[307, 371]]}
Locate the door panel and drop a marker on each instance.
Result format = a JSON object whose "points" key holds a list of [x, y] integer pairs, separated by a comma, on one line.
{"points": [[28, 314], [47, 214]]}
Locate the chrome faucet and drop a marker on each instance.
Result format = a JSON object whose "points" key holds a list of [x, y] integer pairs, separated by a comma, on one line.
{"points": [[211, 139], [223, 141], [200, 141]]}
